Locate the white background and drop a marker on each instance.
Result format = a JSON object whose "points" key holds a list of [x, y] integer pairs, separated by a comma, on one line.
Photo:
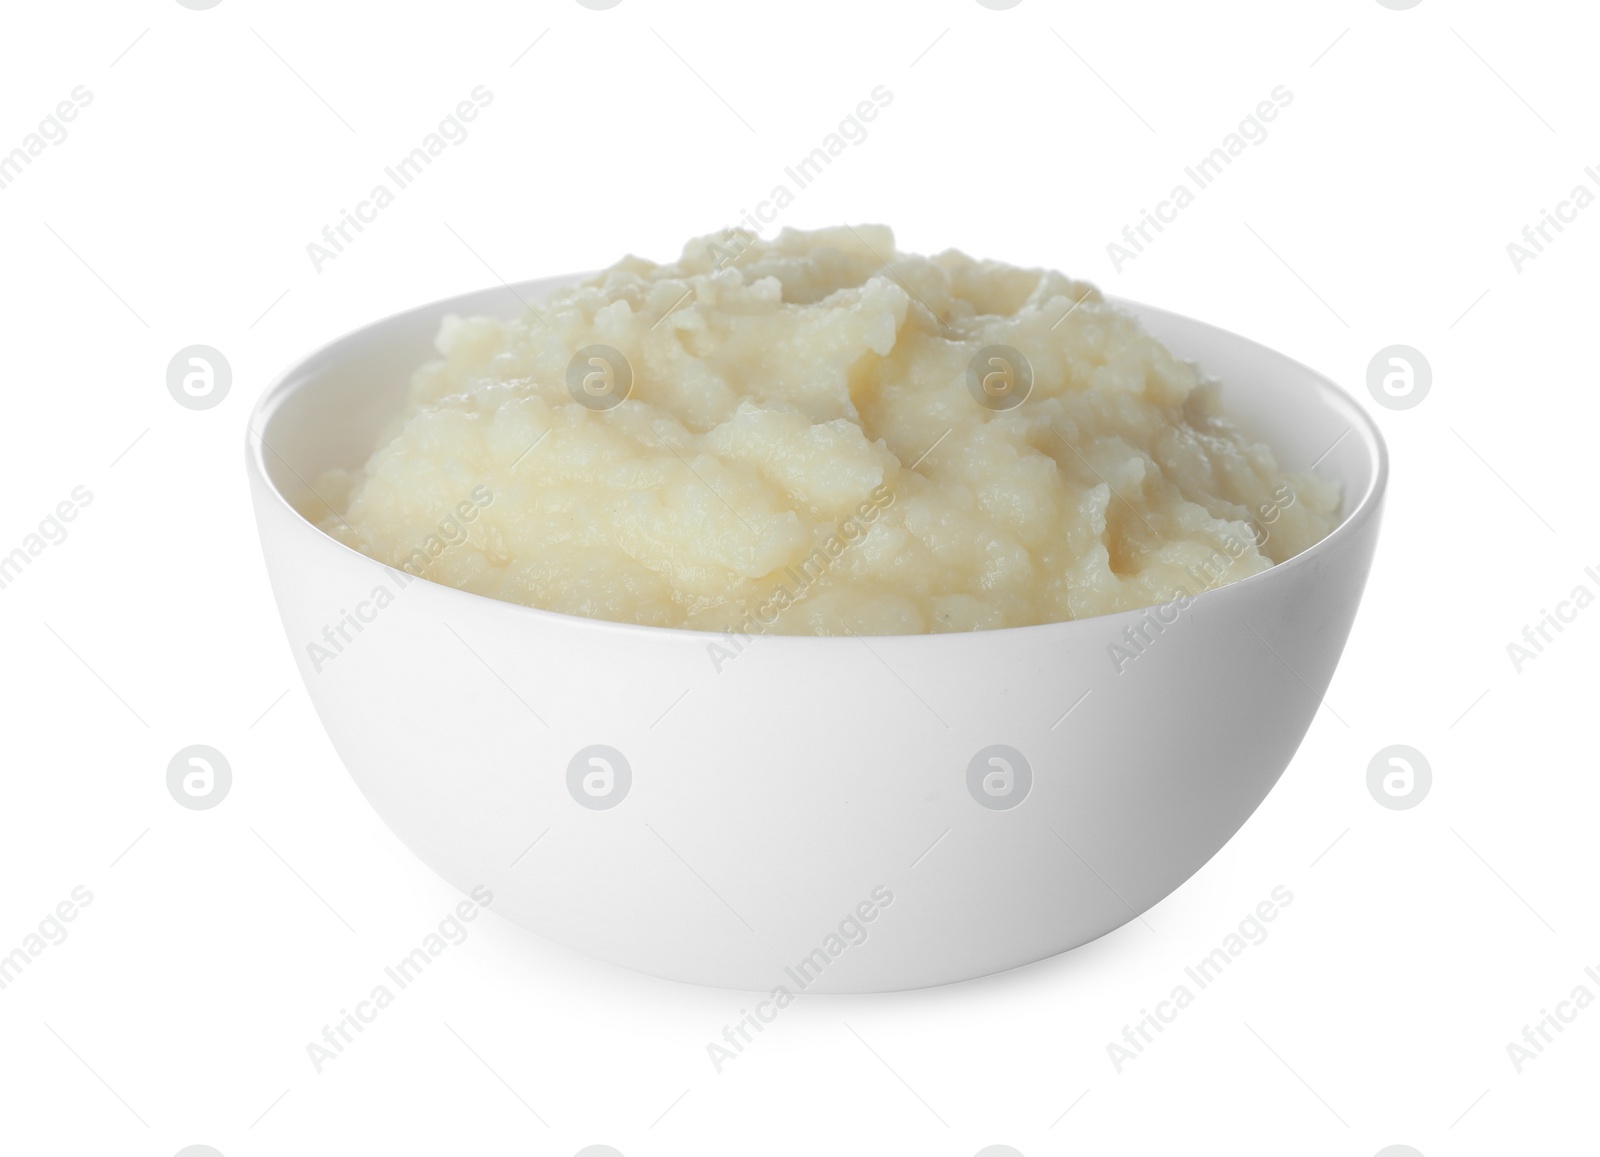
{"points": [[218, 943]]}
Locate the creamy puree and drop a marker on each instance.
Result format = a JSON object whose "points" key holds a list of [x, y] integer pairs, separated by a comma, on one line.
{"points": [[807, 446]]}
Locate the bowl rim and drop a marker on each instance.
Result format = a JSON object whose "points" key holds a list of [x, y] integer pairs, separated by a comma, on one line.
{"points": [[1359, 422]]}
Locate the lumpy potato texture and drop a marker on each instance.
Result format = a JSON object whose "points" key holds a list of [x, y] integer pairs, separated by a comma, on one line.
{"points": [[802, 451]]}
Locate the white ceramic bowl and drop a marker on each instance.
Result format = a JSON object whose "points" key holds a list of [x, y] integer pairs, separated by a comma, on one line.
{"points": [[768, 809]]}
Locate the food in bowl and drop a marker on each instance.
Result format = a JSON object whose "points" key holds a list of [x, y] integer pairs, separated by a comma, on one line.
{"points": [[820, 435]]}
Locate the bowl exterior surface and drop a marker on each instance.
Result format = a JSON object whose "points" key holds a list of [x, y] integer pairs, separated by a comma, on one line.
{"points": [[824, 815]]}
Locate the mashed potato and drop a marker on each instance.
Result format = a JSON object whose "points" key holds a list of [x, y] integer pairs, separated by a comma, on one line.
{"points": [[819, 435]]}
